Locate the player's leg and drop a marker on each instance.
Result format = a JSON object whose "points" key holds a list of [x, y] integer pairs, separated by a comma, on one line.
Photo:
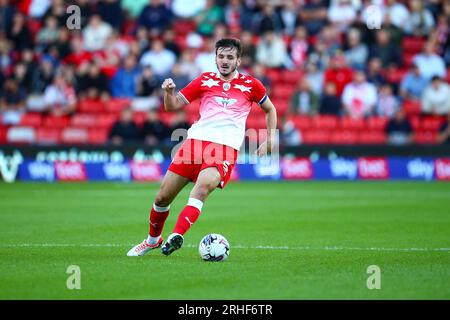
{"points": [[208, 180], [171, 185]]}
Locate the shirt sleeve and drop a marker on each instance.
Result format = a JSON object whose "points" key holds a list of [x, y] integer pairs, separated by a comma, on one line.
{"points": [[259, 92], [192, 91]]}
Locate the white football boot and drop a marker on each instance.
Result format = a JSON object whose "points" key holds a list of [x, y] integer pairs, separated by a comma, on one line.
{"points": [[143, 247]]}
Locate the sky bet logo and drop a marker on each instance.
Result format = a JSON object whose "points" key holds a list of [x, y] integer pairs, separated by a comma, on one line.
{"points": [[374, 17]]}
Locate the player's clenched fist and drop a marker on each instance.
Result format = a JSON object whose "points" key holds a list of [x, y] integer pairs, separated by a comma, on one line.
{"points": [[168, 85]]}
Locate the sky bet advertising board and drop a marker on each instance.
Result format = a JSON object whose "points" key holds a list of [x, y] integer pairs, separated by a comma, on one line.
{"points": [[115, 167]]}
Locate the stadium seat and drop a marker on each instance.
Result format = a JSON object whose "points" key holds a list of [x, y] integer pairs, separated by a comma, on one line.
{"points": [[344, 137], [31, 120], [21, 135], [139, 118], [117, 105], [327, 122], [431, 123], [98, 136], [395, 76], [413, 44], [73, 135], [3, 134], [274, 75], [316, 137], [372, 137], [90, 106], [301, 122], [412, 107], [291, 76], [48, 136], [425, 137], [349, 123], [407, 59], [55, 122], [84, 120], [376, 123], [283, 91], [415, 122], [106, 121]]}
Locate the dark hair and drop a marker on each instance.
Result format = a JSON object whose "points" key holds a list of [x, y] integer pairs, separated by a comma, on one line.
{"points": [[435, 77], [230, 43]]}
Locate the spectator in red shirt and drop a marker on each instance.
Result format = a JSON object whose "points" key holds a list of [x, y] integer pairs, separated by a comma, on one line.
{"points": [[338, 73]]}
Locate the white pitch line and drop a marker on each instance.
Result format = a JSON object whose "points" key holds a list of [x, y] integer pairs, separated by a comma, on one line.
{"points": [[306, 248]]}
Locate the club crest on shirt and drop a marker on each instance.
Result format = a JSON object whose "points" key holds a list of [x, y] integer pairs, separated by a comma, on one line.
{"points": [[225, 102], [226, 86]]}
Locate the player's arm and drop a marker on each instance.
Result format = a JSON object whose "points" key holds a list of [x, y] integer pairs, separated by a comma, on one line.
{"points": [[172, 101], [271, 122]]}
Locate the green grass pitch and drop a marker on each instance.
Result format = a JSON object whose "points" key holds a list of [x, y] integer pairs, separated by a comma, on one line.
{"points": [[298, 240]]}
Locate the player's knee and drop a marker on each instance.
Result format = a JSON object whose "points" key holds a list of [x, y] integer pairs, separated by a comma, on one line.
{"points": [[162, 200]]}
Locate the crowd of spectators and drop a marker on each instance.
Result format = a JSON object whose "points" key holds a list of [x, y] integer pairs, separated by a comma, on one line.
{"points": [[124, 49]]}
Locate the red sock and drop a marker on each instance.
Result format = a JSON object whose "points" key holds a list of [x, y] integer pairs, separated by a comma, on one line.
{"points": [[186, 219], [157, 220]]}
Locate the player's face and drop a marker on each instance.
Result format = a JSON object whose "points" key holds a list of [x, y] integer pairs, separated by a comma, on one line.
{"points": [[227, 61]]}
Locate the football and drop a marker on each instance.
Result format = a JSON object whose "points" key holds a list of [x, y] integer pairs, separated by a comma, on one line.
{"points": [[214, 247]]}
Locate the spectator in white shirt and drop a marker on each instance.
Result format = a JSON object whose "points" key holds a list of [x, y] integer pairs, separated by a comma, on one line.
{"points": [[60, 97], [430, 64], [160, 59], [436, 97], [96, 33], [271, 51], [359, 97], [342, 14], [205, 60], [398, 12], [421, 21]]}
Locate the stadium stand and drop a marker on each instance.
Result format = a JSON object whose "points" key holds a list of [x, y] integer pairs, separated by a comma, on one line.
{"points": [[125, 36]]}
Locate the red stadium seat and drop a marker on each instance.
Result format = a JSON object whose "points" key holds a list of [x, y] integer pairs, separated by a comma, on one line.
{"points": [[91, 106], [431, 123], [396, 75], [139, 118], [301, 122], [3, 133], [425, 137], [49, 136], [56, 122], [413, 44], [31, 119], [349, 123], [282, 91], [415, 122], [274, 75], [105, 121], [327, 122], [84, 120], [316, 137], [116, 105], [344, 137], [377, 123], [291, 76], [412, 107], [408, 59], [73, 135], [372, 137], [98, 136]]}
